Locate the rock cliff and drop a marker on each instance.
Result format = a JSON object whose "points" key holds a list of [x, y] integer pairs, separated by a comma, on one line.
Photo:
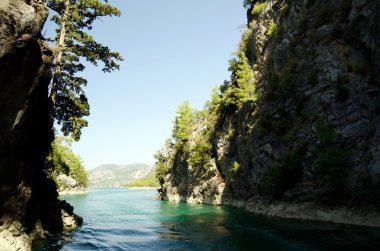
{"points": [[305, 143], [28, 198], [68, 185]]}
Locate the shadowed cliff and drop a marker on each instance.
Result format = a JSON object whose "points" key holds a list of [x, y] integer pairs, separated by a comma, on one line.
{"points": [[28, 198]]}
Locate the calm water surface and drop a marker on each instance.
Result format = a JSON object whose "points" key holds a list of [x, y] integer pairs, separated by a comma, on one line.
{"points": [[123, 219]]}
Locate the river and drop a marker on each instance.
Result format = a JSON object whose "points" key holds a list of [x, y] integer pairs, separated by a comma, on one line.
{"points": [[126, 219]]}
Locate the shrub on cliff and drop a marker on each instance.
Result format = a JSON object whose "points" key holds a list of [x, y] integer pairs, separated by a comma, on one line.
{"points": [[235, 167], [273, 29], [286, 173], [242, 87], [258, 8], [331, 160], [200, 151], [164, 160]]}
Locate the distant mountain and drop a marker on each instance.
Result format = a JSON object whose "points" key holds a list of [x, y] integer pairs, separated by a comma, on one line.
{"points": [[111, 175]]}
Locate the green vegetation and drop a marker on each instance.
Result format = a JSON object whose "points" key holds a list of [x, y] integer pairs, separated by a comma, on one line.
{"points": [[286, 80], [258, 8], [193, 131], [235, 167], [286, 173], [62, 160], [245, 80], [162, 167], [73, 46], [331, 162], [242, 88], [198, 152], [149, 181], [230, 131], [281, 84], [164, 160], [213, 105], [183, 124], [273, 29], [284, 10], [187, 121], [201, 150], [228, 97]]}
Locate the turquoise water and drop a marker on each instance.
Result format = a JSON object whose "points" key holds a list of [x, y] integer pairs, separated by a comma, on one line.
{"points": [[123, 219]]}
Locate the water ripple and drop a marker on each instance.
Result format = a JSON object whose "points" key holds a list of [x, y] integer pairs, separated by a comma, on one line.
{"points": [[129, 220]]}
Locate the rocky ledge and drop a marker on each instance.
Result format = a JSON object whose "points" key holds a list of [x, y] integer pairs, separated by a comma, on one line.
{"points": [[368, 216]]}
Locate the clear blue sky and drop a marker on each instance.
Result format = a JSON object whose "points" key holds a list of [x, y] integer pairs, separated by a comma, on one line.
{"points": [[174, 51]]}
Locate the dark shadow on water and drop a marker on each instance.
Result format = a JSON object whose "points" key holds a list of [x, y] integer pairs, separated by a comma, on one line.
{"points": [[227, 228], [54, 242]]}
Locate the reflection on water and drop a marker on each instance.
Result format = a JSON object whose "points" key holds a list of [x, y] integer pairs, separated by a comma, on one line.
{"points": [[121, 219]]}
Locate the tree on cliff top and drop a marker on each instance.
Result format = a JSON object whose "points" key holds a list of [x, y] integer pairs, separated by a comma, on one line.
{"points": [[183, 124], [74, 45]]}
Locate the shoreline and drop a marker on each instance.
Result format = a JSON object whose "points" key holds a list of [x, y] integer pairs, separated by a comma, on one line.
{"points": [[310, 211], [132, 188], [142, 188], [73, 192], [367, 216]]}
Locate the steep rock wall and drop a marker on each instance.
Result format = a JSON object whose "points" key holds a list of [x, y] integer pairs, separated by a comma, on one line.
{"points": [[28, 197], [316, 70]]}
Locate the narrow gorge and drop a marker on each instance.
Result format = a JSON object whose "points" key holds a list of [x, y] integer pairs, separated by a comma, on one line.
{"points": [[295, 131]]}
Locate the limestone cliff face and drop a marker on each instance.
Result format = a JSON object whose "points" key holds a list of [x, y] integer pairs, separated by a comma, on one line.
{"points": [[316, 65], [27, 196]]}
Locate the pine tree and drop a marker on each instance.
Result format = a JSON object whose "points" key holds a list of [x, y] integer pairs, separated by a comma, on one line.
{"points": [[74, 45], [183, 124]]}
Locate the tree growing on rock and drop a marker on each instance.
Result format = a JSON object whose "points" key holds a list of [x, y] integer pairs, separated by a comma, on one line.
{"points": [[74, 46], [183, 124], [62, 160]]}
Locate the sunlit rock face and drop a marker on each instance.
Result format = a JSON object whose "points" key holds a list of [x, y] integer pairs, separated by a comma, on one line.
{"points": [[27, 197], [313, 62]]}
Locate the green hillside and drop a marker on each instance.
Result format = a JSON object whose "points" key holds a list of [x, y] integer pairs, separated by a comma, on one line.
{"points": [[148, 181]]}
